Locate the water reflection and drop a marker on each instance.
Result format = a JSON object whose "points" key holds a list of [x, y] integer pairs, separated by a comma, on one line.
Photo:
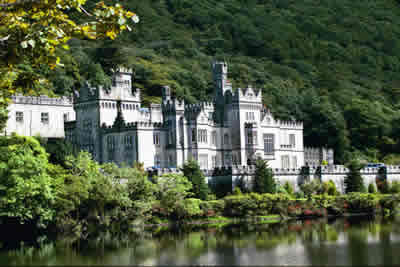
{"points": [[356, 241]]}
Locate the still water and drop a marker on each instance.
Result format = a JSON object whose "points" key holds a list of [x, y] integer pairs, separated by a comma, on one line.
{"points": [[350, 241]]}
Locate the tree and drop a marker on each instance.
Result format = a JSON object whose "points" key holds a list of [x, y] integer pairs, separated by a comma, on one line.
{"points": [[353, 180], [32, 32], [26, 188], [192, 171], [88, 189], [264, 178], [173, 189]]}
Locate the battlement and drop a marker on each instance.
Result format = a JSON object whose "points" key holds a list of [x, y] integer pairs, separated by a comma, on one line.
{"points": [[248, 94], [42, 100], [199, 107], [121, 69], [172, 105], [132, 125], [290, 124]]}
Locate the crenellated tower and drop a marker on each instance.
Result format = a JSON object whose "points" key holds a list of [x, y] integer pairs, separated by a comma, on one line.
{"points": [[223, 90]]}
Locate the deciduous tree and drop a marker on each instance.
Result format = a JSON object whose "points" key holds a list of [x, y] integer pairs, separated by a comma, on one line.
{"points": [[32, 31]]}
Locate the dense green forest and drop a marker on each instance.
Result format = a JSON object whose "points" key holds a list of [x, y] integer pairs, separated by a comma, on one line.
{"points": [[332, 64]]}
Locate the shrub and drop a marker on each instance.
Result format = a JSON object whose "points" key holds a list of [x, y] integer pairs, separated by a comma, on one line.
{"points": [[329, 188], [395, 187], [221, 185], [299, 194], [213, 207], [192, 171], [172, 189], [236, 191], [383, 186], [354, 181], [371, 189], [256, 204], [91, 191], [313, 187], [289, 188], [264, 178], [188, 208]]}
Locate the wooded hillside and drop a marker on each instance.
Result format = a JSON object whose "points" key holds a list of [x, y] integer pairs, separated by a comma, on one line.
{"points": [[332, 64]]}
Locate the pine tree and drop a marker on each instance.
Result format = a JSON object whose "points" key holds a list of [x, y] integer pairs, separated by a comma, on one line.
{"points": [[192, 171], [264, 178], [354, 181]]}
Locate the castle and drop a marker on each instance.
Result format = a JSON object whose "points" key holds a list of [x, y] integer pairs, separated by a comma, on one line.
{"points": [[233, 130], [224, 136], [111, 123]]}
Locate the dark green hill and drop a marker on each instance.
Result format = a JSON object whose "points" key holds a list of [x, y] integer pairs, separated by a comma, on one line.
{"points": [[332, 63]]}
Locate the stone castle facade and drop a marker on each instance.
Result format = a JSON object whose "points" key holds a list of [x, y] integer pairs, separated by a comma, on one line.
{"points": [[111, 123], [233, 130], [39, 116]]}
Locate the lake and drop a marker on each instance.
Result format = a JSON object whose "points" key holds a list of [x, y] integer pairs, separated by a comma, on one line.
{"points": [[345, 241]]}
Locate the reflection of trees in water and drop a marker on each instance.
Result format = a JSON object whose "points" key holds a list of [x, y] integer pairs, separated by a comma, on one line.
{"points": [[323, 243]]}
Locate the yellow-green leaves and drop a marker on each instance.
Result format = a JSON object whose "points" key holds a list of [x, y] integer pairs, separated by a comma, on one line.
{"points": [[32, 31]]}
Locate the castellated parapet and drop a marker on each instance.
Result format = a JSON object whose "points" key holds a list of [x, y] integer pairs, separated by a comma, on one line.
{"points": [[42, 100], [248, 94]]}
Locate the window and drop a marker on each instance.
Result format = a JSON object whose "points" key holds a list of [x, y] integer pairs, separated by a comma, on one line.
{"points": [[251, 137], [128, 141], [87, 125], [193, 135], [285, 162], [226, 139], [294, 162], [213, 161], [248, 137], [227, 159], [255, 139], [250, 116], [268, 144], [156, 138], [234, 159], [203, 161], [292, 140], [214, 138], [110, 143], [44, 117], [19, 116], [202, 134]]}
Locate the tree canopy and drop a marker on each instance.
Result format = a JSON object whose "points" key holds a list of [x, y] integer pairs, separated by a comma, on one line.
{"points": [[32, 33]]}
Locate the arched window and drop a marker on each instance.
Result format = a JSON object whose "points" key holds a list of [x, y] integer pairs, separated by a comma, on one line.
{"points": [[226, 139]]}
